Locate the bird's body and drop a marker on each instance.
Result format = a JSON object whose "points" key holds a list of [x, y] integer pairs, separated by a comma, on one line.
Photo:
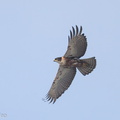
{"points": [[77, 45], [68, 61]]}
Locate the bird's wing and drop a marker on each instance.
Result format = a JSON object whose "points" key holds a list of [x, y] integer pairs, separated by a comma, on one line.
{"points": [[62, 81], [77, 43]]}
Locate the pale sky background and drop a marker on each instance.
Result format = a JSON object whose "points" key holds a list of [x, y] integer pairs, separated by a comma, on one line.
{"points": [[33, 33]]}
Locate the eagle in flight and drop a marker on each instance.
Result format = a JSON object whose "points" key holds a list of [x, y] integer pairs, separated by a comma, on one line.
{"points": [[77, 45]]}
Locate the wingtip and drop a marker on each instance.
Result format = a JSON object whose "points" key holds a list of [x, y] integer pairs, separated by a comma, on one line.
{"points": [[70, 34], [50, 99], [68, 39], [77, 30], [73, 31], [80, 30]]}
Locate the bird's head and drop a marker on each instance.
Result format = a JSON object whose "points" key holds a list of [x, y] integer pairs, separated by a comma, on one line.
{"points": [[58, 60]]}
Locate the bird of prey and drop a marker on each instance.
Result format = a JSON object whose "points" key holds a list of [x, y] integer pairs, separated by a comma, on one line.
{"points": [[68, 63]]}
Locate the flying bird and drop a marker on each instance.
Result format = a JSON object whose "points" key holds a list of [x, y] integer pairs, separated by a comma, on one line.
{"points": [[77, 44]]}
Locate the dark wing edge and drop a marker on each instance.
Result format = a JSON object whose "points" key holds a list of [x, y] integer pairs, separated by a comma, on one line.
{"points": [[77, 43], [62, 81]]}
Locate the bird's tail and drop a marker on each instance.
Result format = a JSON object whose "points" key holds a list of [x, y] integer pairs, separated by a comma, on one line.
{"points": [[87, 65]]}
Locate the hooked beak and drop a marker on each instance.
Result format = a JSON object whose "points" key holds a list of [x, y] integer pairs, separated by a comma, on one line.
{"points": [[54, 60]]}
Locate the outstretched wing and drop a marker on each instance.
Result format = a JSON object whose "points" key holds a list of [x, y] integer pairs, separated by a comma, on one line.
{"points": [[77, 43], [61, 83]]}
